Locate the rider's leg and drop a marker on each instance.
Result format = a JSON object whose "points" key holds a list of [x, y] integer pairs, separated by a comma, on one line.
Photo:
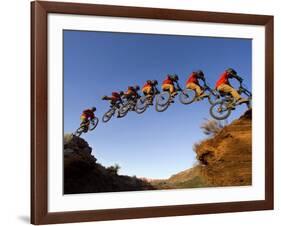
{"points": [[172, 90], [229, 89], [147, 91], [196, 88]]}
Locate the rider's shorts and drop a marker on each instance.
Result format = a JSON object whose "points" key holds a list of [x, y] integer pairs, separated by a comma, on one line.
{"points": [[194, 87]]}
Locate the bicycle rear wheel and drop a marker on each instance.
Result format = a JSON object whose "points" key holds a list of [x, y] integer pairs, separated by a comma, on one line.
{"points": [[163, 101], [124, 109], [220, 111], [79, 131], [107, 116], [187, 96], [141, 105], [212, 99]]}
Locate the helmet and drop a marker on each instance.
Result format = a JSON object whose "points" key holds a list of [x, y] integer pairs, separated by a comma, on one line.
{"points": [[231, 71], [200, 73], [149, 82], [137, 87], [175, 77], [93, 109]]}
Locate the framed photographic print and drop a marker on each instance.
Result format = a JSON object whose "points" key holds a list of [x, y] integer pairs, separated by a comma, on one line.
{"points": [[148, 112]]}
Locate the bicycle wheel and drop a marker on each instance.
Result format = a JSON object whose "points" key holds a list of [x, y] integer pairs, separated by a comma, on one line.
{"points": [[249, 103], [163, 101], [220, 111], [212, 99], [79, 131], [124, 109], [141, 105], [107, 116], [187, 96], [94, 123]]}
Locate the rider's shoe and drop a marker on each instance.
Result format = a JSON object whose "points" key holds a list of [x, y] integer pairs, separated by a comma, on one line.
{"points": [[118, 116], [231, 106]]}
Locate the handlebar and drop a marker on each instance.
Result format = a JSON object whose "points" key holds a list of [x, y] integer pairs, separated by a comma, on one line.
{"points": [[243, 89], [178, 86]]}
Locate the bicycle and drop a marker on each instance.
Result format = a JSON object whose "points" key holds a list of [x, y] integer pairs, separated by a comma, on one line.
{"points": [[145, 101], [86, 126], [222, 109], [113, 109], [188, 96], [164, 99], [129, 104]]}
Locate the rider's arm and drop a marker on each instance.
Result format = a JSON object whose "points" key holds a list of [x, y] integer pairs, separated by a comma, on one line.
{"points": [[238, 78], [202, 79]]}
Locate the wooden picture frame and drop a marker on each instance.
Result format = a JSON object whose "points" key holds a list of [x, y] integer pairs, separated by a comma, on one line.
{"points": [[39, 109]]}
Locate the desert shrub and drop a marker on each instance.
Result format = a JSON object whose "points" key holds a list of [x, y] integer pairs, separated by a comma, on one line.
{"points": [[212, 127], [196, 146]]}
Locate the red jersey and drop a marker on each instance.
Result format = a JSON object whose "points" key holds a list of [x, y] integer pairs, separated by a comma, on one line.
{"points": [[88, 114], [223, 79], [192, 78], [115, 96], [167, 81]]}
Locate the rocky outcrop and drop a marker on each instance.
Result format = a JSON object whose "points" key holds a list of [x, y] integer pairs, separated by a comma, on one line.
{"points": [[82, 173]]}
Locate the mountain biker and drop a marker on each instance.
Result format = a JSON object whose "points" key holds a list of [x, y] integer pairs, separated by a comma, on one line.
{"points": [[169, 84], [224, 86], [132, 92], [193, 83], [115, 100], [149, 89], [86, 116]]}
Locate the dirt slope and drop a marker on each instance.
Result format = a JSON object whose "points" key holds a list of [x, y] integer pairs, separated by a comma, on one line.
{"points": [[82, 173], [223, 160], [226, 159]]}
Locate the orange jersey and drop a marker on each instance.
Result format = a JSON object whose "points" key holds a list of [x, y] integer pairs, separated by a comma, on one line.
{"points": [[223, 79], [192, 79], [146, 85]]}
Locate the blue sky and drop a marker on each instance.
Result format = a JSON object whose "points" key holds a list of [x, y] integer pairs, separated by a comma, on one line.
{"points": [[152, 145]]}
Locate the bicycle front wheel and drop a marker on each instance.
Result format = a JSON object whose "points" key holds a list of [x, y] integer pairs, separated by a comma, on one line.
{"points": [[94, 123]]}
